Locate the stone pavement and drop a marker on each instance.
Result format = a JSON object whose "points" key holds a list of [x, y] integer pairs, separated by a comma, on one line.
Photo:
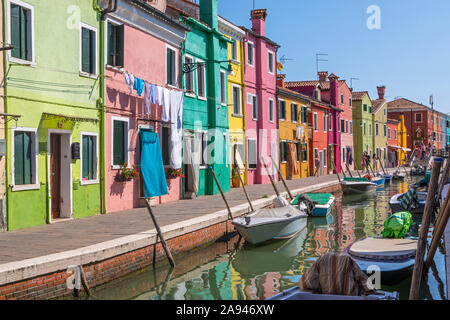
{"points": [[78, 233]]}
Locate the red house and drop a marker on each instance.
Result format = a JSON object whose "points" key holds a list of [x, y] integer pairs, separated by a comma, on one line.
{"points": [[392, 135]]}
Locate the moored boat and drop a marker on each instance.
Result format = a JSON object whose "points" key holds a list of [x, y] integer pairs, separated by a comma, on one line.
{"points": [[295, 293], [394, 258], [379, 181], [357, 185], [417, 206], [399, 176], [323, 203], [268, 224]]}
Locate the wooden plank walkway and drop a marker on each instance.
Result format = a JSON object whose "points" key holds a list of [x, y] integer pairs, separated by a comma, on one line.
{"points": [[78, 233]]}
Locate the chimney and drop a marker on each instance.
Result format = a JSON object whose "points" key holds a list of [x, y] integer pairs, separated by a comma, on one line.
{"points": [[323, 75], [280, 80], [334, 90], [258, 18], [208, 13], [381, 91]]}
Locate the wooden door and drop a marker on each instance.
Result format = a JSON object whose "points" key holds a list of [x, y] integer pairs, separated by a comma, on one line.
{"points": [[55, 174]]}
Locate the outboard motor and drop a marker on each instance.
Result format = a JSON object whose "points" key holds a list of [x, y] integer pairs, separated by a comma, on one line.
{"points": [[305, 204]]}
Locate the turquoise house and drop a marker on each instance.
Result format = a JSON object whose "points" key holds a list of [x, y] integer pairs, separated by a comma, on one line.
{"points": [[204, 77]]}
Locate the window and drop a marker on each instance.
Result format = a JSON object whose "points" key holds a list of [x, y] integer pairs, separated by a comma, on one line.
{"points": [[384, 130], [189, 76], [343, 155], [370, 129], [255, 107], [376, 129], [389, 133], [330, 124], [271, 69], [342, 125], [234, 50], [395, 134], [252, 154], [325, 157], [223, 88], [201, 81], [384, 110], [346, 126], [236, 100], [342, 99], [120, 142], [304, 153], [370, 109], [316, 125], [165, 145], [325, 122], [282, 109], [239, 152], [250, 53], [294, 112], [297, 147], [21, 31], [350, 102], [88, 49], [418, 117], [171, 67], [317, 94], [351, 127], [365, 107], [270, 110], [304, 114], [115, 45], [284, 151], [25, 156], [364, 128], [88, 157]]}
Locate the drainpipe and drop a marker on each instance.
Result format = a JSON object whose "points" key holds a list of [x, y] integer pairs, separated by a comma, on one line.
{"points": [[7, 167], [101, 100]]}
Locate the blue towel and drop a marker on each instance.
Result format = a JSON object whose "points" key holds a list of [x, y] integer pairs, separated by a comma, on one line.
{"points": [[152, 167], [154, 93], [139, 85]]}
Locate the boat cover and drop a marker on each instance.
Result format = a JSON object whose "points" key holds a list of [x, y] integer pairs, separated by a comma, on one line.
{"points": [[397, 225], [409, 200], [282, 212], [317, 198], [356, 179], [335, 274], [384, 248]]}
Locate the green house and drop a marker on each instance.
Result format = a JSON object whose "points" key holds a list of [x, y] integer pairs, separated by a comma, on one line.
{"points": [[362, 125], [51, 89]]}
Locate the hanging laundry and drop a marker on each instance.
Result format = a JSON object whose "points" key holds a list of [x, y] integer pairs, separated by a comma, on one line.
{"points": [[129, 80], [176, 115], [154, 93], [138, 85], [166, 105], [147, 97], [160, 91]]}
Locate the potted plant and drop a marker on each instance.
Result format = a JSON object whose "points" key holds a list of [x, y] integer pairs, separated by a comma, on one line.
{"points": [[235, 180], [127, 174], [174, 173]]}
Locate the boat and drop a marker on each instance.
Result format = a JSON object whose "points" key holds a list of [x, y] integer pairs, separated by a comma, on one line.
{"points": [[295, 293], [268, 224], [323, 203], [388, 177], [398, 176], [393, 257], [379, 181], [396, 203], [357, 185]]}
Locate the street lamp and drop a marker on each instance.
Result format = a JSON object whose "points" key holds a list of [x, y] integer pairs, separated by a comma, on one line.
{"points": [[191, 66]]}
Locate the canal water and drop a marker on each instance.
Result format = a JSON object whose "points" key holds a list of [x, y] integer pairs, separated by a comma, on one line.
{"points": [[239, 271]]}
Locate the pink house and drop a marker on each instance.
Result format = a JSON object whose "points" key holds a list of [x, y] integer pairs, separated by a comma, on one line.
{"points": [[143, 42], [260, 76]]}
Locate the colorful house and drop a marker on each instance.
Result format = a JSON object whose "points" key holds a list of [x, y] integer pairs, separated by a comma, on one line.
{"points": [[346, 126], [130, 30], [53, 143], [294, 131], [205, 64], [326, 89], [260, 99], [402, 139], [362, 126], [379, 126], [393, 148], [3, 119], [236, 95]]}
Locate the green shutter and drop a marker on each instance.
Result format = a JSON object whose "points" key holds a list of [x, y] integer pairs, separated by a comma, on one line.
{"points": [[120, 45], [111, 43], [119, 143], [15, 30], [18, 158], [91, 157], [84, 165], [169, 66], [85, 50], [92, 52], [23, 35]]}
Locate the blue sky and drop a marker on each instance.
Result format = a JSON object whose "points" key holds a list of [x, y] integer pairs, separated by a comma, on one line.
{"points": [[409, 54]]}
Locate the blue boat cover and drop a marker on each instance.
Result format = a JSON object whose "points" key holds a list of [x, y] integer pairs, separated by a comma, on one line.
{"points": [[152, 167]]}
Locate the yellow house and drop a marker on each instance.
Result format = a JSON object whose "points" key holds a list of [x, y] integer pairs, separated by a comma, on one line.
{"points": [[293, 127], [402, 139], [236, 104]]}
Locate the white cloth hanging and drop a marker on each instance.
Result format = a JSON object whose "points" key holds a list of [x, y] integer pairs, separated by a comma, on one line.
{"points": [[176, 115], [160, 91], [166, 100], [147, 98], [129, 80]]}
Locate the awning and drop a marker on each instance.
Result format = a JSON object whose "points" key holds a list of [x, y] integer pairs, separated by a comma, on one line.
{"points": [[55, 116], [395, 147]]}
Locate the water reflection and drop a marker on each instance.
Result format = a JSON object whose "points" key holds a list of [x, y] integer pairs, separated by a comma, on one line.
{"points": [[241, 271]]}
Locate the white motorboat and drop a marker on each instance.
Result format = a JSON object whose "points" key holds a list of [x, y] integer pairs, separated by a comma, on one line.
{"points": [[396, 203], [268, 224], [357, 185]]}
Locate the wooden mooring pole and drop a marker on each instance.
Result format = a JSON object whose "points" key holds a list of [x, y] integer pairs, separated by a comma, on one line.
{"points": [[230, 216], [158, 230], [444, 179], [270, 177], [424, 228], [236, 168], [382, 168], [282, 179]]}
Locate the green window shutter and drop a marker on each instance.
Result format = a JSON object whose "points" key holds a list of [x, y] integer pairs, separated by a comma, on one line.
{"points": [[119, 143], [23, 35], [111, 43], [90, 157], [92, 52], [120, 45], [85, 50], [19, 32], [84, 164], [18, 158]]}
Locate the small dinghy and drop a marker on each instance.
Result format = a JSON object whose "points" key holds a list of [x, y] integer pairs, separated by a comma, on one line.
{"points": [[296, 294], [399, 176], [357, 185], [323, 203], [388, 177], [394, 257], [411, 201], [268, 224], [379, 181]]}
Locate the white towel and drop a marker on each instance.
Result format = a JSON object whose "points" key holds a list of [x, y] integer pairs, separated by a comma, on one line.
{"points": [[129, 80], [176, 115], [147, 97], [166, 105], [160, 91]]}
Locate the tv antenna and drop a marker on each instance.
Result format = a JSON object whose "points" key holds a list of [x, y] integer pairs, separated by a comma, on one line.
{"points": [[351, 82], [431, 101], [319, 58], [283, 59]]}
